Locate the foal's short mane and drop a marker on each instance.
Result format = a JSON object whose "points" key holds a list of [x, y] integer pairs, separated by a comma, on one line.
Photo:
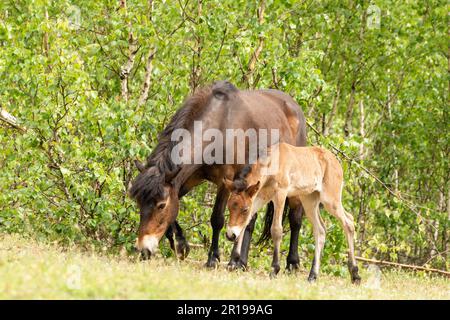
{"points": [[148, 185], [240, 180]]}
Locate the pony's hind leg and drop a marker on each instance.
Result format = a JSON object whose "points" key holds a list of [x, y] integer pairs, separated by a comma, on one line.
{"points": [[239, 261], [295, 223], [180, 246], [346, 220]]}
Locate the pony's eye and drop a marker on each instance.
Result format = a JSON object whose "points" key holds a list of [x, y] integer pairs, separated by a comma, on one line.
{"points": [[161, 206]]}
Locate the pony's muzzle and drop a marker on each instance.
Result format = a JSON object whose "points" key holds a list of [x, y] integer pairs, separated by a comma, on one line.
{"points": [[147, 246], [145, 254]]}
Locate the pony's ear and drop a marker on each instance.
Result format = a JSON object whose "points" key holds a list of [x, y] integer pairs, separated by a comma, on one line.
{"points": [[170, 175], [252, 189], [139, 165], [228, 184], [222, 89]]}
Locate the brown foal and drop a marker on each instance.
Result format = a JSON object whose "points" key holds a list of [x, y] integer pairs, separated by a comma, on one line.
{"points": [[310, 175]]}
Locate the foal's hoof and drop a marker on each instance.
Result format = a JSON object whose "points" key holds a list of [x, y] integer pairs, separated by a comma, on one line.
{"points": [[356, 279], [312, 278], [275, 269], [183, 249]]}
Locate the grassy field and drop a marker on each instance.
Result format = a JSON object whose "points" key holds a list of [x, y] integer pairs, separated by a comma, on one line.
{"points": [[31, 270]]}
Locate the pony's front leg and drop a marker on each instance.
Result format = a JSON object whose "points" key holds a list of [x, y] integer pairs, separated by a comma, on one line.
{"points": [[217, 223], [239, 261], [180, 246], [276, 231]]}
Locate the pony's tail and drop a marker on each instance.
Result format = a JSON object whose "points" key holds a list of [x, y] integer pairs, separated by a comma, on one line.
{"points": [[266, 234]]}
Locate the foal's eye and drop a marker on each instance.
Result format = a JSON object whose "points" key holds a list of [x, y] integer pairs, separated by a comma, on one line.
{"points": [[161, 206]]}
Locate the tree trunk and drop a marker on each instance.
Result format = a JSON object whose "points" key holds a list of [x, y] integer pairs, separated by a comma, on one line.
{"points": [[125, 70], [248, 76], [45, 44], [349, 114], [148, 73], [196, 55], [333, 110], [362, 210]]}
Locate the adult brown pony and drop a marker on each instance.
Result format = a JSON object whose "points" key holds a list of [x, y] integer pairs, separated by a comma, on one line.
{"points": [[161, 182]]}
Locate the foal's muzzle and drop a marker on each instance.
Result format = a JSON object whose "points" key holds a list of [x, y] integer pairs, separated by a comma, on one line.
{"points": [[233, 233], [231, 236]]}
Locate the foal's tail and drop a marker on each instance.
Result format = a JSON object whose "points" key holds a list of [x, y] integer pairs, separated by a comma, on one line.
{"points": [[266, 235]]}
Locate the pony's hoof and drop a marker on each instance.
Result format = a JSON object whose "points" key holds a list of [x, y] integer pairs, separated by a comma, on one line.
{"points": [[292, 268], [236, 265], [212, 263], [183, 249], [231, 266], [356, 280]]}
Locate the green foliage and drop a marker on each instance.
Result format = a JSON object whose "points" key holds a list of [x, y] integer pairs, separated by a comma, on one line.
{"points": [[378, 93]]}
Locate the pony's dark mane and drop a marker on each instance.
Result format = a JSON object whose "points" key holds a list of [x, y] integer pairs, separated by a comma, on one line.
{"points": [[149, 184], [183, 118]]}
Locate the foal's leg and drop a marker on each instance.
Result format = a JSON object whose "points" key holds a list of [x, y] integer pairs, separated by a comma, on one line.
{"points": [[217, 222], [346, 220], [311, 205], [277, 232], [239, 261]]}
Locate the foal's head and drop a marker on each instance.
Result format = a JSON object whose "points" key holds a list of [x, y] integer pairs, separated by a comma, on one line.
{"points": [[240, 206]]}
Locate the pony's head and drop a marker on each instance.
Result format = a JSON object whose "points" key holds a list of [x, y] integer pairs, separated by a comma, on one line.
{"points": [[158, 203], [153, 188]]}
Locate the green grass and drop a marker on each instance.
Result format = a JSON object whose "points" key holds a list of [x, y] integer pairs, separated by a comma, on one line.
{"points": [[32, 270]]}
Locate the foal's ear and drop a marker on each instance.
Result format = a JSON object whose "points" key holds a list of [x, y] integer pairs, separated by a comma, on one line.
{"points": [[252, 189], [139, 165], [228, 184]]}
